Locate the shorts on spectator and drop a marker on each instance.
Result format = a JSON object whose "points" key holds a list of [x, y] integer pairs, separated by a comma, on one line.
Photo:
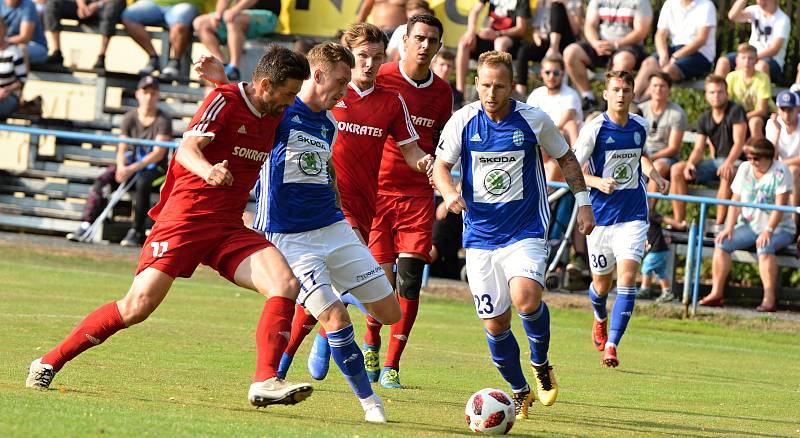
{"points": [[744, 237], [655, 263], [262, 23], [150, 14], [692, 66], [37, 53], [706, 170], [668, 161], [482, 45], [604, 61], [775, 70]]}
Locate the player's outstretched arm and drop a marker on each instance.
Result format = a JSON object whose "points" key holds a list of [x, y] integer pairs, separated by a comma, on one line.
{"points": [[190, 155], [443, 180], [573, 175], [652, 173], [211, 69]]}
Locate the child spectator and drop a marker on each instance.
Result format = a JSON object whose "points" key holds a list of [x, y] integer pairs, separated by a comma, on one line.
{"points": [[12, 73], [24, 28], [750, 88], [655, 262], [101, 13], [442, 66]]}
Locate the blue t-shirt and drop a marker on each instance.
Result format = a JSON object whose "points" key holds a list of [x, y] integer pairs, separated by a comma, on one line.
{"points": [[294, 191], [503, 174], [615, 151], [25, 11]]}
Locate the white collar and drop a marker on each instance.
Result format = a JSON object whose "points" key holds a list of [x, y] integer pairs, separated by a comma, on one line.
{"points": [[247, 101]]}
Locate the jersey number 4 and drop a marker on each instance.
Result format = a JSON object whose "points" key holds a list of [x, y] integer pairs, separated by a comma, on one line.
{"points": [[159, 248]]}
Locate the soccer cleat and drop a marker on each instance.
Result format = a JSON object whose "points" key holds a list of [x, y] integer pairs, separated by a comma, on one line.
{"points": [[39, 375], [546, 386], [373, 409], [609, 357], [522, 401], [371, 359], [275, 391], [319, 359], [283, 367], [600, 334], [390, 378]]}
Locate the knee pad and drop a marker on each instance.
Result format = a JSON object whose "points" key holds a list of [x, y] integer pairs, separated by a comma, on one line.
{"points": [[409, 277]]}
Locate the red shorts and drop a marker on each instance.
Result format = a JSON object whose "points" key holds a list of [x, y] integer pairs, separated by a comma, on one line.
{"points": [[177, 247], [359, 215], [402, 224]]}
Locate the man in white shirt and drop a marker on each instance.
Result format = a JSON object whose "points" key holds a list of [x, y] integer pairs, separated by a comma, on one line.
{"points": [[557, 99], [783, 133]]}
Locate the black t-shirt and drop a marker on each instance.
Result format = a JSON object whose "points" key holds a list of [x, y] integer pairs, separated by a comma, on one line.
{"points": [[504, 13], [131, 127], [655, 235], [269, 5], [721, 135]]}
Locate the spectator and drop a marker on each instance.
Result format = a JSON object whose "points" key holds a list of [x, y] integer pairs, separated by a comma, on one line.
{"points": [[724, 126], [396, 50], [12, 74], [24, 28], [506, 26], [388, 15], [149, 162], [614, 31], [101, 13], [557, 99], [446, 243], [655, 261], [556, 24], [761, 180], [442, 66], [783, 133], [750, 88], [235, 24], [769, 34], [666, 123], [691, 27], [177, 17]]}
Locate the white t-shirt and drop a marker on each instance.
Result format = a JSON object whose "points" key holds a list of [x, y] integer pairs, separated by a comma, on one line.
{"points": [[683, 23], [555, 106], [788, 144], [765, 29], [396, 42], [775, 181]]}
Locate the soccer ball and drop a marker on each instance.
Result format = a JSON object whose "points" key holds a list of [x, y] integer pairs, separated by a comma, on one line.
{"points": [[490, 410]]}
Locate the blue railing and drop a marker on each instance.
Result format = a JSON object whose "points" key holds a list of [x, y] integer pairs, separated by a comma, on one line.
{"points": [[85, 136]]}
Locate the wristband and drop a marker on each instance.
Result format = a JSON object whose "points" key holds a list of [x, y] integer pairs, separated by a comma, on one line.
{"points": [[770, 230], [582, 198]]}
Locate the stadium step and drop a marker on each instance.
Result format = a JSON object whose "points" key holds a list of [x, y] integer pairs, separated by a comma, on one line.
{"points": [[52, 208]]}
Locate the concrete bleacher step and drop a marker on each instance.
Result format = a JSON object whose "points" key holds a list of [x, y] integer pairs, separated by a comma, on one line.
{"points": [[37, 223], [52, 208], [94, 156], [47, 187], [66, 170]]}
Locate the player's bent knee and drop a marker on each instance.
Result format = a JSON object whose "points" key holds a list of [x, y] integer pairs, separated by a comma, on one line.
{"points": [[335, 317], [409, 277]]}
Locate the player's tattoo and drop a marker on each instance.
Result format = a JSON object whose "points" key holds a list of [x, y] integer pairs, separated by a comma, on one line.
{"points": [[332, 176], [572, 172]]}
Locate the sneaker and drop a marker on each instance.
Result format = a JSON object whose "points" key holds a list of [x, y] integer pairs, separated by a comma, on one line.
{"points": [[522, 402], [588, 104], [232, 73], [371, 359], [609, 357], [100, 64], [283, 367], [132, 238], [600, 334], [275, 391], [665, 297], [171, 70], [546, 386], [373, 409], [390, 378], [320, 358], [644, 293], [39, 375], [55, 58], [150, 68], [80, 234]]}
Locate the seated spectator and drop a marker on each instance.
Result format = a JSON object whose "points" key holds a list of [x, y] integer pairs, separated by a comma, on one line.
{"points": [[750, 88], [691, 27], [442, 66], [446, 243], [555, 25], [655, 261], [149, 162], [24, 28], [783, 133], [761, 180], [506, 25], [177, 17], [666, 123], [12, 74], [769, 34], [235, 24], [614, 32], [724, 126], [396, 50], [557, 99], [101, 13]]}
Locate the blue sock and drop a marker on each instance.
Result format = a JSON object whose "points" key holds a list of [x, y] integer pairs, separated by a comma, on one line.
{"points": [[349, 359], [598, 303], [621, 313], [505, 355], [537, 327]]}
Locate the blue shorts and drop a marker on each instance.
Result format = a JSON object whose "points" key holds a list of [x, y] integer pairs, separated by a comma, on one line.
{"points": [[706, 170], [774, 69], [669, 161], [691, 66], [655, 263], [743, 237], [150, 14]]}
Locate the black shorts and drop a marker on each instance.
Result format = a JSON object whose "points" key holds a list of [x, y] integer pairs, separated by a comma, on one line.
{"points": [[482, 45], [604, 61]]}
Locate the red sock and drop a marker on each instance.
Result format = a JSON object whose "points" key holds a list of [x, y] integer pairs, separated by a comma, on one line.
{"points": [[302, 325], [322, 332], [93, 330], [373, 334], [272, 336], [400, 332]]}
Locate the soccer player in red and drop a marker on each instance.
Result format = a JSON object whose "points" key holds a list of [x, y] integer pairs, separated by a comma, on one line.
{"points": [[199, 220], [403, 224]]}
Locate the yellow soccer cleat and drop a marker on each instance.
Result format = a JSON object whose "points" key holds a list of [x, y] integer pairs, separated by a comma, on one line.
{"points": [[546, 386], [522, 401]]}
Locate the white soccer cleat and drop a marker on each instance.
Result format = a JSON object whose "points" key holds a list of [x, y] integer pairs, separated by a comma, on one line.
{"points": [[373, 409], [39, 375], [277, 391]]}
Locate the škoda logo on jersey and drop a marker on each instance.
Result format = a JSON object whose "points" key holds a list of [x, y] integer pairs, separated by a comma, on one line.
{"points": [[250, 154]]}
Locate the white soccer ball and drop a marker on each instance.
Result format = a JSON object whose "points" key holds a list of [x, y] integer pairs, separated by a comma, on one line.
{"points": [[491, 411]]}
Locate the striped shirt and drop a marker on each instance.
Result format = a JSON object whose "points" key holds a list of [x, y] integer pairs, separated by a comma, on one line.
{"points": [[12, 66]]}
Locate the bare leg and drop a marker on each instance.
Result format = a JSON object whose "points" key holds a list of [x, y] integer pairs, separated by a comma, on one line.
{"points": [[768, 270], [236, 37], [140, 35], [577, 61]]}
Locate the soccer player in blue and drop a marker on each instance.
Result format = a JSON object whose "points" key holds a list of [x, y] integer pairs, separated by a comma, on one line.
{"points": [[612, 143], [499, 142]]}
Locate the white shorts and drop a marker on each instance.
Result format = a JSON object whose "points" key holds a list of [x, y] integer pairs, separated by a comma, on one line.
{"points": [[622, 241], [330, 258], [490, 270]]}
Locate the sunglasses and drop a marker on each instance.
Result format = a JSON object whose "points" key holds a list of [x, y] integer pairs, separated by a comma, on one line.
{"points": [[551, 72], [755, 158]]}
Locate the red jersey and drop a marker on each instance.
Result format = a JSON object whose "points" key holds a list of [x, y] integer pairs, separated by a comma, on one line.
{"points": [[364, 120], [240, 135], [430, 105]]}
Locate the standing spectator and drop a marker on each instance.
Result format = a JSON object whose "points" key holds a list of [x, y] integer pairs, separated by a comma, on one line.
{"points": [[101, 13], [150, 162], [24, 28], [783, 133], [750, 88], [761, 180], [506, 26], [769, 34], [12, 74], [388, 15], [655, 261], [442, 66], [724, 125], [396, 51], [691, 27], [614, 32], [177, 17], [235, 24], [557, 99]]}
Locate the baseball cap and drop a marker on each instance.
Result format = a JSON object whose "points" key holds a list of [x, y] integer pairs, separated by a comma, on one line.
{"points": [[148, 81], [788, 99]]}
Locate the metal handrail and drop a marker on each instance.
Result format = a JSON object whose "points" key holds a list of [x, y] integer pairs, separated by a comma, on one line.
{"points": [[85, 136]]}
